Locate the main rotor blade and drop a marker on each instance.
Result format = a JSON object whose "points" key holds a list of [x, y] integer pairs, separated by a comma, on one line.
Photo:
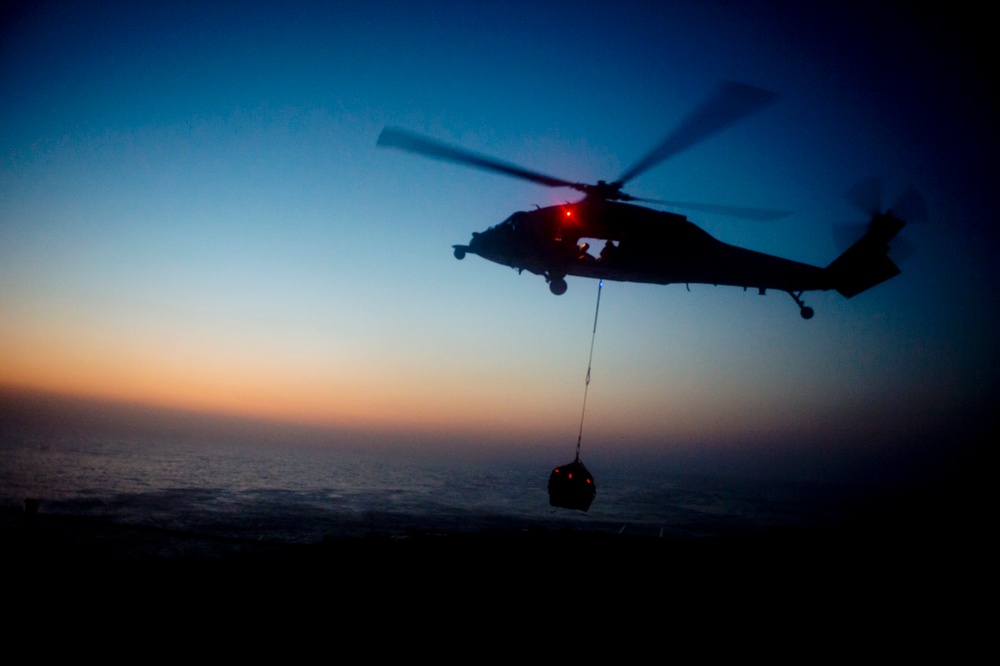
{"points": [[413, 143], [743, 212], [733, 102]]}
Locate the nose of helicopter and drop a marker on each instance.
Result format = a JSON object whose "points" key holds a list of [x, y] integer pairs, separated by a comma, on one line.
{"points": [[482, 240], [475, 246]]}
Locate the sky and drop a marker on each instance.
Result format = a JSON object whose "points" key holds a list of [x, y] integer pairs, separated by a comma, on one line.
{"points": [[194, 215]]}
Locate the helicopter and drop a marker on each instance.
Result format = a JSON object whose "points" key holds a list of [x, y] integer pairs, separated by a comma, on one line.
{"points": [[642, 244]]}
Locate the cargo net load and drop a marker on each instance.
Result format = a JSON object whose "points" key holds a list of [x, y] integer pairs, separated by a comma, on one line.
{"points": [[572, 486]]}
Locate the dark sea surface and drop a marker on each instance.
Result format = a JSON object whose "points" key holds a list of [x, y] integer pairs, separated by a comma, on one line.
{"points": [[127, 522], [303, 494]]}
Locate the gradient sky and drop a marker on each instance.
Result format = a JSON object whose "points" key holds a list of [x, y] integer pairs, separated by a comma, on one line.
{"points": [[194, 214]]}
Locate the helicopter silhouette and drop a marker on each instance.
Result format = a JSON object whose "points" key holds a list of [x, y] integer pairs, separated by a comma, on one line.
{"points": [[647, 245]]}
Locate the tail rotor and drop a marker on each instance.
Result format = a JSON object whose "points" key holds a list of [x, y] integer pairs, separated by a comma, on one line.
{"points": [[866, 196], [873, 247]]}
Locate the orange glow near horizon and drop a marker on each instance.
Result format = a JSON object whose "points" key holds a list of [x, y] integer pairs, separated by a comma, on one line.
{"points": [[358, 390], [342, 391]]}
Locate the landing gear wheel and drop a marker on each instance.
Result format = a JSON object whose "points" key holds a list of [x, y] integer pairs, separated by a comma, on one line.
{"points": [[459, 253], [557, 286], [804, 310]]}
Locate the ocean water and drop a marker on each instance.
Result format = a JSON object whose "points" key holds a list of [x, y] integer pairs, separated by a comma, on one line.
{"points": [[303, 494]]}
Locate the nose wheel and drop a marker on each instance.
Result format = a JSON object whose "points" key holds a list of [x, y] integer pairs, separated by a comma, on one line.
{"points": [[804, 310]]}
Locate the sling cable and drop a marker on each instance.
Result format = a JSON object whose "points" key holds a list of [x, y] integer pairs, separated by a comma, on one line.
{"points": [[572, 486]]}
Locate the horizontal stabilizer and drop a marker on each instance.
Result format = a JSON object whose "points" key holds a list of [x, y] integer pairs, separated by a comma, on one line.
{"points": [[866, 263]]}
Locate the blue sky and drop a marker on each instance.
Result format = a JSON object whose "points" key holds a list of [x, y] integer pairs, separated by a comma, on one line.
{"points": [[195, 215]]}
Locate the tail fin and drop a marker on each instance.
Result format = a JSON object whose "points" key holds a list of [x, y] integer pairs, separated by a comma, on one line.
{"points": [[866, 264]]}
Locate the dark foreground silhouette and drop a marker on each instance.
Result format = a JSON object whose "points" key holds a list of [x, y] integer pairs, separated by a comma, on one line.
{"points": [[899, 572]]}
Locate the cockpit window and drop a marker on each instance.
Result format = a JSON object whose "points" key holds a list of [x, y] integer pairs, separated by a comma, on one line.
{"points": [[513, 222]]}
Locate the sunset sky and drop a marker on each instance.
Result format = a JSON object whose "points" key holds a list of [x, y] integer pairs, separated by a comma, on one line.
{"points": [[194, 214]]}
